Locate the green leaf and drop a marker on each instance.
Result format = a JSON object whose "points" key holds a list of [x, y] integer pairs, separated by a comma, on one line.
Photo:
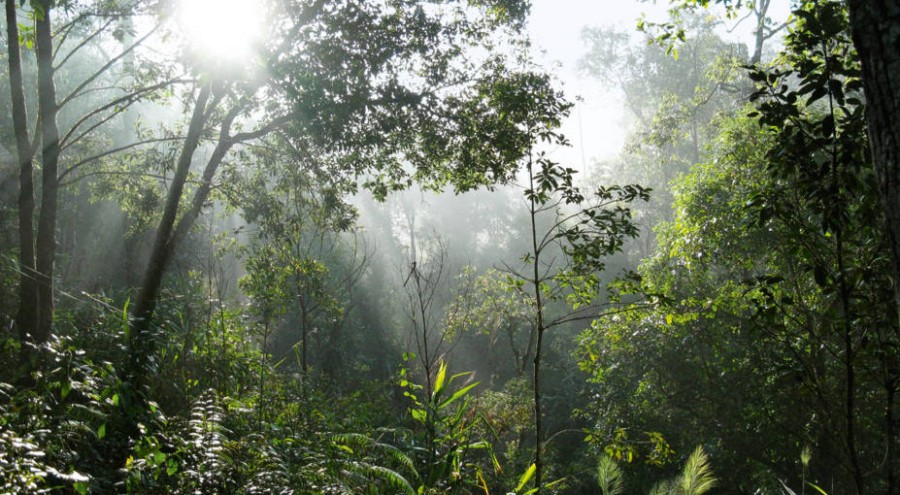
{"points": [[419, 415], [126, 327], [526, 477], [456, 395], [101, 432], [439, 380], [393, 478]]}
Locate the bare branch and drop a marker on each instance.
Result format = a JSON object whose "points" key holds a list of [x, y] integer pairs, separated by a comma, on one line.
{"points": [[95, 173], [114, 151], [74, 94], [81, 44], [128, 99], [594, 312]]}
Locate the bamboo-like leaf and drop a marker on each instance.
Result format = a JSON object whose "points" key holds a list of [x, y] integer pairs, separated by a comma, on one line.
{"points": [[456, 395], [483, 482], [525, 477], [454, 377], [439, 380], [126, 324], [817, 488]]}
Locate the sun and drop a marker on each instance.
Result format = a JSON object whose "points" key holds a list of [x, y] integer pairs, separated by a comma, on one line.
{"points": [[222, 31]]}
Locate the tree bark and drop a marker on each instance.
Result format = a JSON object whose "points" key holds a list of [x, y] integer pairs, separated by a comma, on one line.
{"points": [[26, 317], [46, 235], [876, 34]]}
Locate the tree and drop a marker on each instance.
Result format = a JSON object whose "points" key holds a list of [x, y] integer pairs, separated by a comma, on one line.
{"points": [[776, 282], [672, 101], [67, 134], [297, 215], [26, 317], [873, 31], [397, 94], [873, 25], [570, 232]]}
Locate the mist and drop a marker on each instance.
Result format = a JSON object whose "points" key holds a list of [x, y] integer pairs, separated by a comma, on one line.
{"points": [[296, 246]]}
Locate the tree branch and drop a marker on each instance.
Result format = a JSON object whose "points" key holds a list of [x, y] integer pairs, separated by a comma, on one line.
{"points": [[114, 151], [75, 93], [81, 44]]}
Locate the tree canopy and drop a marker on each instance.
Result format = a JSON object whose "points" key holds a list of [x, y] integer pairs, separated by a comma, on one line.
{"points": [[343, 255]]}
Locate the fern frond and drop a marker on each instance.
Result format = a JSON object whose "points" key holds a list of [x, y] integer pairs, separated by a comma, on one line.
{"points": [[398, 456], [663, 488], [353, 440], [697, 477], [609, 476], [372, 473]]}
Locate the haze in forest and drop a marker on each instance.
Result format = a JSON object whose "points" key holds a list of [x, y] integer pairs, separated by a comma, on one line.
{"points": [[455, 247]]}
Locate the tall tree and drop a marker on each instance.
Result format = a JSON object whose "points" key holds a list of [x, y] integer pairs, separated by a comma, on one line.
{"points": [[26, 317], [570, 232], [65, 144], [672, 101], [876, 35], [48, 108]]}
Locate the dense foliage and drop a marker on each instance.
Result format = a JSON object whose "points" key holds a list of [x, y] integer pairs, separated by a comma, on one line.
{"points": [[223, 278]]}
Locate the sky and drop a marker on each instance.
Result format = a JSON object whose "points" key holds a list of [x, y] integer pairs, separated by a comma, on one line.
{"points": [[596, 127]]}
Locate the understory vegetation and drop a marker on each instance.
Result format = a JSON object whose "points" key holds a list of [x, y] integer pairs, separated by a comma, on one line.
{"points": [[351, 263]]}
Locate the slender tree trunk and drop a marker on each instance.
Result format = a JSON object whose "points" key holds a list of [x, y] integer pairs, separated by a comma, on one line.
{"points": [[141, 341], [876, 34], [263, 362], [26, 317], [889, 433], [304, 333], [539, 332], [46, 235], [759, 33], [844, 293]]}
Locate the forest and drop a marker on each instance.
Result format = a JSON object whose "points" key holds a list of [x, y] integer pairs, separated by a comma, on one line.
{"points": [[329, 247]]}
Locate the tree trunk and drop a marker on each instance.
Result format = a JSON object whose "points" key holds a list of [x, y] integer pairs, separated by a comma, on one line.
{"points": [[539, 334], [140, 345], [169, 234], [876, 35], [889, 433], [46, 235], [26, 317]]}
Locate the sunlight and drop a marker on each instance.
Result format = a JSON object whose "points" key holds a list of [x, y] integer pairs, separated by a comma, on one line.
{"points": [[226, 31]]}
